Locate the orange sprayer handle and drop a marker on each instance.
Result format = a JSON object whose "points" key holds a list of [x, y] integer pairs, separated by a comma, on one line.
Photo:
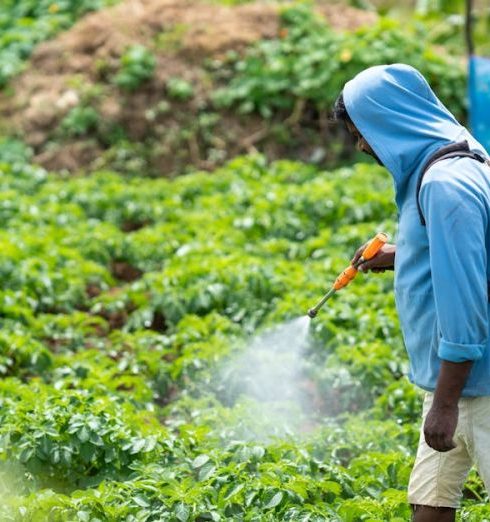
{"points": [[345, 277], [370, 251], [374, 245]]}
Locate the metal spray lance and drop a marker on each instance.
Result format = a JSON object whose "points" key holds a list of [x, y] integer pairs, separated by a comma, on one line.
{"points": [[351, 271]]}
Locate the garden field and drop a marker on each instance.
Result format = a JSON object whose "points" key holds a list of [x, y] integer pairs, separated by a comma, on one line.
{"points": [[123, 302], [156, 360]]}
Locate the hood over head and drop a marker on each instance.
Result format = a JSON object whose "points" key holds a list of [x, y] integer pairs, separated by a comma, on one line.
{"points": [[401, 118]]}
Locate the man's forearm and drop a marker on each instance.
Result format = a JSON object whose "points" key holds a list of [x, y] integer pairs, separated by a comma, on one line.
{"points": [[450, 383]]}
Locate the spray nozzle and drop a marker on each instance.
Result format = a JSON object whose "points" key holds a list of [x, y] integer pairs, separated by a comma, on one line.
{"points": [[312, 313]]}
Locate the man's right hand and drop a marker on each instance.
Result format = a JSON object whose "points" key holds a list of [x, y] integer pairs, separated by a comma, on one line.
{"points": [[382, 261]]}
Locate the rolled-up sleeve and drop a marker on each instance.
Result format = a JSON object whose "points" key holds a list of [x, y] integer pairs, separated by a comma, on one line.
{"points": [[456, 220]]}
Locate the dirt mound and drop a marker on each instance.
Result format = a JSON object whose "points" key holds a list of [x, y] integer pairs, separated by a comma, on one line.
{"points": [[345, 18], [202, 31], [78, 68]]}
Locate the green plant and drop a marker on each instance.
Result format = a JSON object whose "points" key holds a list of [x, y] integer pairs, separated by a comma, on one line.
{"points": [[179, 89], [70, 439], [25, 23], [137, 65], [80, 121], [21, 355]]}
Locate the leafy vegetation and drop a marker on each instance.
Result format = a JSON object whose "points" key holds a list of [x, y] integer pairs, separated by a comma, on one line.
{"points": [[25, 23], [137, 65], [179, 89], [311, 63], [80, 120], [124, 301]]}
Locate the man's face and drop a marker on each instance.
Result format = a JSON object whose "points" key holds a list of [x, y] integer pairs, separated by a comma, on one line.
{"points": [[362, 145]]}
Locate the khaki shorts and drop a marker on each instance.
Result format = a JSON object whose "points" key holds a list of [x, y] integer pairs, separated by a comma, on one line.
{"points": [[437, 479]]}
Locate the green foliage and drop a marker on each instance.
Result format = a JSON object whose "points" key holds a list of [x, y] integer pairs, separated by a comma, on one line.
{"points": [[179, 89], [20, 354], [443, 21], [477, 513], [71, 438], [25, 23], [122, 305], [440, 6], [137, 65], [311, 62], [390, 506], [14, 151], [80, 121], [400, 401]]}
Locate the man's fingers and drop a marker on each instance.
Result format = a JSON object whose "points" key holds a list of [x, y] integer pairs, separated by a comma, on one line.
{"points": [[375, 264], [439, 441], [429, 439], [443, 446], [358, 254], [448, 446], [433, 441], [370, 265], [447, 443], [363, 267]]}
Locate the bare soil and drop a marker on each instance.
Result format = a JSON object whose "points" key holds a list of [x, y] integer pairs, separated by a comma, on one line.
{"points": [[186, 36]]}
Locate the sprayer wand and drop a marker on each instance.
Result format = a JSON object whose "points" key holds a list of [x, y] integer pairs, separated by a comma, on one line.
{"points": [[350, 272]]}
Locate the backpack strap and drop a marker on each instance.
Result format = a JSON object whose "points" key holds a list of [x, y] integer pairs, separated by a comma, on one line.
{"points": [[453, 150]]}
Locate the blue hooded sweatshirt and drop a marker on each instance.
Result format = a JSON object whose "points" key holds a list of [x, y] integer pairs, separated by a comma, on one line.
{"points": [[442, 269]]}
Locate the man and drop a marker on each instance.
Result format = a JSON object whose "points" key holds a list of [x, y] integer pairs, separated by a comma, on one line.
{"points": [[441, 271]]}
